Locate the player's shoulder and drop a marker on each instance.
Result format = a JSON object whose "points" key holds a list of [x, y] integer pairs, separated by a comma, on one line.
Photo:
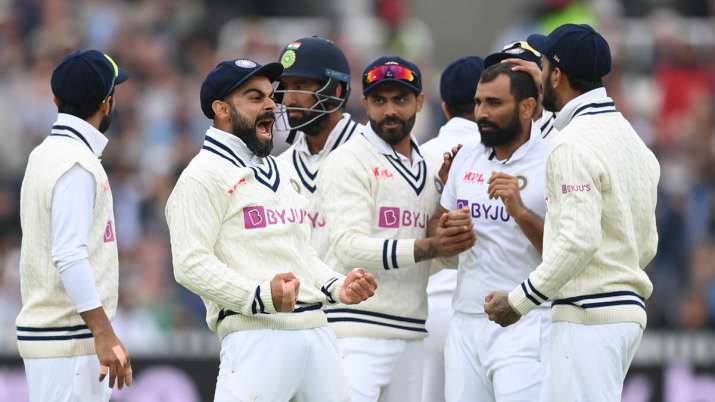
{"points": [[210, 170]]}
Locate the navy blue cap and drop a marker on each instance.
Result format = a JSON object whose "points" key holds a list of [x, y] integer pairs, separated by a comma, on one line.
{"points": [[578, 50], [229, 75], [391, 69], [86, 77], [315, 58], [459, 80], [517, 50]]}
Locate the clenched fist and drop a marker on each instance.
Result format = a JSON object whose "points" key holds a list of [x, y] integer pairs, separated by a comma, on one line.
{"points": [[359, 286], [284, 292]]}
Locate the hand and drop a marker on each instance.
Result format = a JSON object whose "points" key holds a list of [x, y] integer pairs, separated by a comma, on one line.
{"points": [[534, 71], [506, 187], [497, 307], [454, 233], [284, 292], [359, 286], [448, 157], [113, 359]]}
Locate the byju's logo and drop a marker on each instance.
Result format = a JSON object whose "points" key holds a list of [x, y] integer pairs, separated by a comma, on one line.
{"points": [[394, 217], [254, 217], [389, 217]]}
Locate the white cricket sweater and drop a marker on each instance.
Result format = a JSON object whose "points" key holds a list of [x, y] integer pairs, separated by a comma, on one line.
{"points": [[235, 222], [377, 204], [304, 167], [600, 230], [48, 324]]}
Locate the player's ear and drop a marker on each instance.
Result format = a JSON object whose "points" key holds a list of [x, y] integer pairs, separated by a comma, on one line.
{"points": [[219, 108], [445, 111], [527, 108], [420, 101], [364, 101], [56, 100]]}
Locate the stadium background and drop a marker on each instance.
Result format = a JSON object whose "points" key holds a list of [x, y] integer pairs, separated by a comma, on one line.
{"points": [[663, 80]]}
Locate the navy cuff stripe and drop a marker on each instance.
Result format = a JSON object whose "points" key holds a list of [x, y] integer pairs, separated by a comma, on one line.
{"points": [[394, 254], [528, 296], [360, 320], [536, 292], [54, 338], [260, 301], [309, 307], [384, 255], [374, 314]]}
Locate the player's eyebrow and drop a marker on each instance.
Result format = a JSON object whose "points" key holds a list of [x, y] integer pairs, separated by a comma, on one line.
{"points": [[256, 90]]}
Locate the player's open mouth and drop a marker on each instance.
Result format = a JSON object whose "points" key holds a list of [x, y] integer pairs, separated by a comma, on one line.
{"points": [[264, 128]]}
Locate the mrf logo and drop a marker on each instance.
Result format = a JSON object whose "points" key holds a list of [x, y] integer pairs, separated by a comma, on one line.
{"points": [[382, 173], [394, 217], [473, 177]]}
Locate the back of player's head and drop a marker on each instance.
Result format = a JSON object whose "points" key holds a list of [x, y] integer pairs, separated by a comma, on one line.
{"points": [[522, 86], [458, 84], [578, 51], [83, 80]]}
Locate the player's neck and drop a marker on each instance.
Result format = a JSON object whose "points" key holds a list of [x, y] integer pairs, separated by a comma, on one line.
{"points": [[505, 152], [404, 147], [316, 143]]}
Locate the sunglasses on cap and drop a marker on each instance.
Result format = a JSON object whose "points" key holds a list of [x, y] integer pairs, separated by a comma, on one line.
{"points": [[396, 72], [522, 44], [114, 79]]}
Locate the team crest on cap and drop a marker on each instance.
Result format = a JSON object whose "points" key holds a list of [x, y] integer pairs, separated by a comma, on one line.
{"points": [[288, 58], [243, 63]]}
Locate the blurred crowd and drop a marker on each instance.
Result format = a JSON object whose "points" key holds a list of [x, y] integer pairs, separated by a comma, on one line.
{"points": [[664, 83]]}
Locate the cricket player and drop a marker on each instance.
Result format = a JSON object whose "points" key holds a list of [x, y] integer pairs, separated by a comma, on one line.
{"points": [[525, 58], [501, 181], [378, 199], [600, 231], [240, 239], [458, 84], [313, 89], [68, 258]]}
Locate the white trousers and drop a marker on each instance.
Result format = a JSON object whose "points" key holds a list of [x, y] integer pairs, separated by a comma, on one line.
{"points": [[590, 362], [438, 317], [488, 363], [383, 370], [66, 379], [281, 366]]}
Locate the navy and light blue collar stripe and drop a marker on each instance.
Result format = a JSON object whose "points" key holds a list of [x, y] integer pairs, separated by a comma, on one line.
{"points": [[307, 171], [266, 173], [548, 126], [592, 102], [75, 128]]}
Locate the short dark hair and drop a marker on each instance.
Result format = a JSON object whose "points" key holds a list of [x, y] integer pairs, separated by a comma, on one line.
{"points": [[461, 109], [84, 112], [522, 86], [580, 85]]}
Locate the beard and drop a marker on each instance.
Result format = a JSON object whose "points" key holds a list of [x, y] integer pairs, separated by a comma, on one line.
{"points": [[393, 136], [107, 120], [242, 128], [494, 135], [549, 100], [313, 128]]}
